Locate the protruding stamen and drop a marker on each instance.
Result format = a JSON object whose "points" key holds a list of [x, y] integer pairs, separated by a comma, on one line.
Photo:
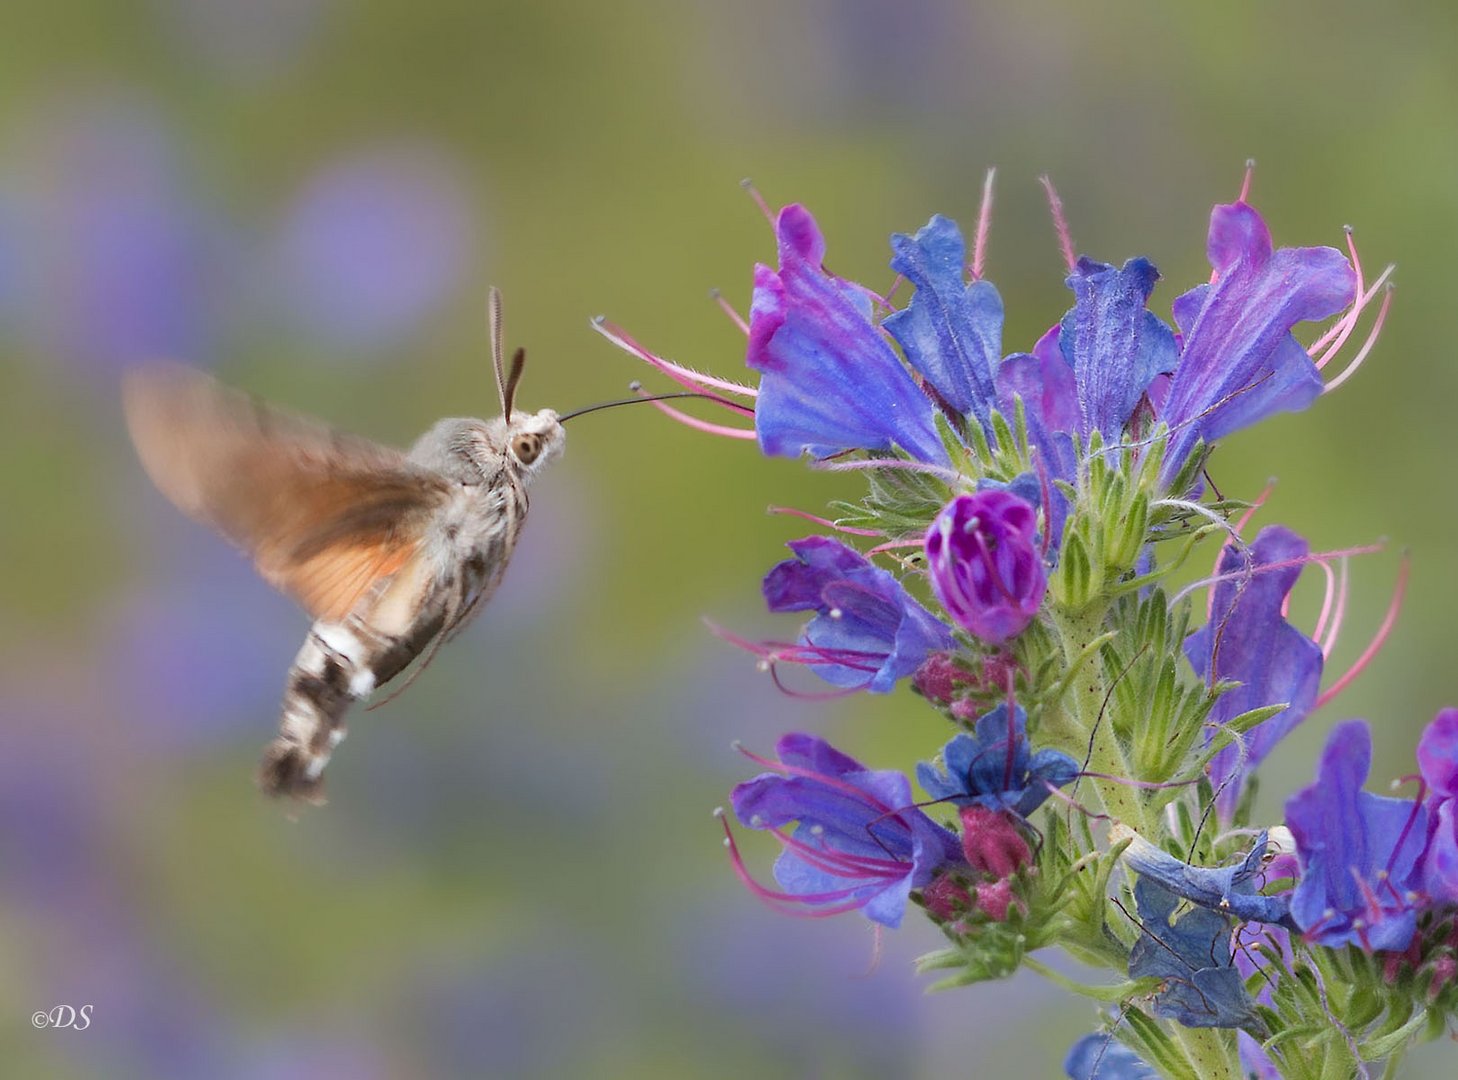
{"points": [[728, 309], [984, 226], [748, 185], [1378, 639], [1250, 164], [1367, 345], [684, 376], [1060, 223], [824, 523], [1265, 568], [702, 425], [1338, 613]]}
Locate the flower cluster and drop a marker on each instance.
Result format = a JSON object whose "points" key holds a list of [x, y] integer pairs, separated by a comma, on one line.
{"points": [[1011, 562]]}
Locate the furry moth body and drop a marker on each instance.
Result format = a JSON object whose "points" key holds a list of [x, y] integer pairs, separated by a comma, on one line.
{"points": [[391, 553]]}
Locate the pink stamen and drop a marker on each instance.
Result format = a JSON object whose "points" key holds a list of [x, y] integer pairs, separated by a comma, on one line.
{"points": [[833, 861], [1367, 345], [1236, 530], [1326, 602], [728, 309], [703, 425], [1339, 612], [1235, 575], [1378, 639], [1260, 500], [1343, 326], [1245, 183], [684, 376], [748, 185], [773, 651], [1060, 223], [823, 522], [984, 226]]}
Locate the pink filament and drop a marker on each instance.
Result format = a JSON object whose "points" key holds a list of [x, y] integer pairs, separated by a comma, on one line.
{"points": [[1060, 223], [1245, 183], [1338, 615], [703, 425], [1326, 603], [685, 377], [1378, 639], [826, 465], [1367, 345], [728, 309], [748, 185], [984, 226], [1235, 575], [823, 522]]}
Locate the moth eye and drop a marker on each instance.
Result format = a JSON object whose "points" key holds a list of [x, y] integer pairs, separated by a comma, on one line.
{"points": [[526, 448]]}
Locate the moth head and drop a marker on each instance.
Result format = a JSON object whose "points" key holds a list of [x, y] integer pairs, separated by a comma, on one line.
{"points": [[534, 439]]}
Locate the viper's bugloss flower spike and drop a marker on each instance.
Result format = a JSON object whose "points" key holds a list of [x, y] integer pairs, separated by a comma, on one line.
{"points": [[1238, 361], [867, 632], [1230, 890], [995, 768], [985, 564], [1359, 853], [858, 841], [1100, 1056], [829, 380], [1249, 641], [1191, 954]]}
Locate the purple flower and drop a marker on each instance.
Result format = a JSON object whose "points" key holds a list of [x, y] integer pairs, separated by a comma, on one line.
{"points": [[951, 331], [858, 841], [984, 564], [1229, 890], [1359, 853], [1238, 361], [1438, 759], [994, 768], [829, 379], [1249, 641], [867, 632], [1201, 986], [1102, 1057]]}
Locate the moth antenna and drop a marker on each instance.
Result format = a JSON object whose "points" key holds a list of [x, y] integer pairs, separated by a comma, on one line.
{"points": [[513, 378], [493, 320]]}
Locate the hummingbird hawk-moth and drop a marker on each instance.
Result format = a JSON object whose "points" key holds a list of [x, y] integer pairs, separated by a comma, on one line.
{"points": [[391, 553]]}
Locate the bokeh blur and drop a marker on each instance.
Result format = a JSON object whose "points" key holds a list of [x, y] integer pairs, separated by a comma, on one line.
{"points": [[517, 873]]}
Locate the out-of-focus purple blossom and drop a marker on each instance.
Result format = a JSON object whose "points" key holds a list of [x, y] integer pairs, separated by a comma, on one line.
{"points": [[829, 380], [374, 244], [1438, 760], [1102, 1057], [951, 331], [867, 631], [119, 260], [1249, 641], [858, 842], [1265, 948], [985, 566], [1201, 986], [1361, 873], [995, 768], [1238, 361], [1229, 890]]}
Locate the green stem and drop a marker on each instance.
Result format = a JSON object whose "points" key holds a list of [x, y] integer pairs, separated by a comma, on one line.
{"points": [[1085, 700]]}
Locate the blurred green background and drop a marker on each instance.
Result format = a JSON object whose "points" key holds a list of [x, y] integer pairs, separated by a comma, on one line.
{"points": [[517, 874]]}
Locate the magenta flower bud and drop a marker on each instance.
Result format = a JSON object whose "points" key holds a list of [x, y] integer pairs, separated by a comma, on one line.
{"points": [[992, 843], [985, 565]]}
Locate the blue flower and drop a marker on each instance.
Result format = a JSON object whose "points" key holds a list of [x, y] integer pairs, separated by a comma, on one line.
{"points": [[1192, 954], [1102, 1057], [1438, 759], [1249, 641], [1228, 890], [859, 842], [829, 379], [951, 331], [1359, 853], [1238, 361], [867, 631], [994, 767]]}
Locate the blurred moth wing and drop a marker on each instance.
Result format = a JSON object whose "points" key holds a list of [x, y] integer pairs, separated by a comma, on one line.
{"points": [[391, 553]]}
